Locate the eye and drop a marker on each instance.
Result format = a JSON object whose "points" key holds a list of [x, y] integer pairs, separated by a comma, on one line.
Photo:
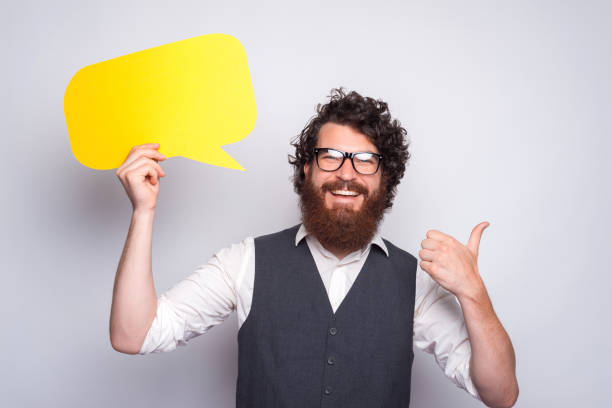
{"points": [[366, 158], [331, 155]]}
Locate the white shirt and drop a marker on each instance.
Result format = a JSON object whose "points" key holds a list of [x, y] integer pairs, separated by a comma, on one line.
{"points": [[208, 296]]}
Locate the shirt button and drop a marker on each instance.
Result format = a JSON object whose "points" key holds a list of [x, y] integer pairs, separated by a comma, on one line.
{"points": [[331, 360], [328, 390], [333, 331]]}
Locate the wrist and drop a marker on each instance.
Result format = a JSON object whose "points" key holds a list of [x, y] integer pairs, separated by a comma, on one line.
{"points": [[145, 213], [475, 295]]}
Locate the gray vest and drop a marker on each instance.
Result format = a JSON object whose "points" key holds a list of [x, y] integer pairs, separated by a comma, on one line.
{"points": [[294, 351]]}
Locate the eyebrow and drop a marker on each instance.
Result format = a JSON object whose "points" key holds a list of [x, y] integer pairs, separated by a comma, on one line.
{"points": [[356, 151]]}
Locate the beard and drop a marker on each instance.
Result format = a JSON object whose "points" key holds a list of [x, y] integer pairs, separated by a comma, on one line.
{"points": [[341, 228]]}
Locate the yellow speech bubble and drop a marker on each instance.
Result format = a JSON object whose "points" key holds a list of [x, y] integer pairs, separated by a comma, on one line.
{"points": [[191, 96]]}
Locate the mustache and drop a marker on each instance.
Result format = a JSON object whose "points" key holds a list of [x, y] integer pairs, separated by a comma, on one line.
{"points": [[344, 185]]}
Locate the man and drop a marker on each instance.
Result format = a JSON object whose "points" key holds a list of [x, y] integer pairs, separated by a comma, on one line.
{"points": [[328, 310]]}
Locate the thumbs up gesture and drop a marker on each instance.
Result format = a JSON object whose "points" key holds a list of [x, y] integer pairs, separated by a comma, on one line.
{"points": [[453, 265]]}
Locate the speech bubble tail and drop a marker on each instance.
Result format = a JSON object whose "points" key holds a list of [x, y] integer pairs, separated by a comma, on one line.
{"points": [[219, 157]]}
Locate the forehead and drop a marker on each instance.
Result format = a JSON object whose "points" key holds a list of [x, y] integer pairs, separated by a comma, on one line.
{"points": [[345, 138]]}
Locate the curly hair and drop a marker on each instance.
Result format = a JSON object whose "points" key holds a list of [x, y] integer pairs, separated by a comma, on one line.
{"points": [[368, 116]]}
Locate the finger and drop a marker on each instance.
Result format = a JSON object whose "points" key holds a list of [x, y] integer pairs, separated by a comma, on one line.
{"points": [[437, 235], [141, 161], [426, 254], [137, 152], [427, 266], [152, 174], [137, 158], [144, 170], [474, 241], [429, 243]]}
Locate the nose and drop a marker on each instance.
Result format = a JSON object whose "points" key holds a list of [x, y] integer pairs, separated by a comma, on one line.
{"points": [[346, 171]]}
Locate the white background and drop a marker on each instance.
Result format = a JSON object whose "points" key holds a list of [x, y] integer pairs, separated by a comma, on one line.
{"points": [[507, 105]]}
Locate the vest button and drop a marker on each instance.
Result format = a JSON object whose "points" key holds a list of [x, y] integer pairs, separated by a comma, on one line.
{"points": [[331, 360], [333, 331], [328, 390]]}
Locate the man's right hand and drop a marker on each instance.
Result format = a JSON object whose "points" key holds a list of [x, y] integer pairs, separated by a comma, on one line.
{"points": [[140, 174]]}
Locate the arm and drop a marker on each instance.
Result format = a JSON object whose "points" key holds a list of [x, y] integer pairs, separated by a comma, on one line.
{"points": [[140, 322], [439, 329], [200, 301], [492, 362], [134, 299]]}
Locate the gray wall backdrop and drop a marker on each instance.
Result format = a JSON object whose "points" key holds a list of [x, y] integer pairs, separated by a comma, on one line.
{"points": [[508, 109]]}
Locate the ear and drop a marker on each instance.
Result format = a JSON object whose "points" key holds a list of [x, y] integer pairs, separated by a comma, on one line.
{"points": [[307, 169]]}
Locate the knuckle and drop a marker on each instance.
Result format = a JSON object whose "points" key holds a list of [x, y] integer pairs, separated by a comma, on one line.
{"points": [[141, 160]]}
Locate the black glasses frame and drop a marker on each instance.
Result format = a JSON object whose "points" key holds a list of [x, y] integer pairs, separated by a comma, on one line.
{"points": [[346, 155]]}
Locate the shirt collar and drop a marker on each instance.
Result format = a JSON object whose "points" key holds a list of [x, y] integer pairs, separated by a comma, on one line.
{"points": [[377, 239]]}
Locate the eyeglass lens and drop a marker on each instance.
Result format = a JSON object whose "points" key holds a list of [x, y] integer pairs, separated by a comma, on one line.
{"points": [[331, 160]]}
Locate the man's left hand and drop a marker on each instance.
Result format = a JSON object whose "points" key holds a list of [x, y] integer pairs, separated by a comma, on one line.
{"points": [[453, 265]]}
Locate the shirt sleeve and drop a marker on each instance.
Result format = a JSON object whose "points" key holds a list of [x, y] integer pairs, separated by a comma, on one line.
{"points": [[439, 329], [197, 303]]}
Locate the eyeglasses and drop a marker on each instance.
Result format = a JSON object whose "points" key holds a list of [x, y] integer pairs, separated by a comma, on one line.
{"points": [[331, 160]]}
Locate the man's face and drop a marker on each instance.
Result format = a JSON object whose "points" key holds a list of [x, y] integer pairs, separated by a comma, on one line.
{"points": [[346, 139], [342, 208]]}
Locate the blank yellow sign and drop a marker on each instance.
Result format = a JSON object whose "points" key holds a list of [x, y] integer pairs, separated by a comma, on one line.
{"points": [[191, 96]]}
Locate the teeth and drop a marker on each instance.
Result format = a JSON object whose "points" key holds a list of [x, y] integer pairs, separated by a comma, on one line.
{"points": [[344, 192]]}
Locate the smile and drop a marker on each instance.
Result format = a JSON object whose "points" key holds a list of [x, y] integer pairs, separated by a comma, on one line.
{"points": [[346, 193]]}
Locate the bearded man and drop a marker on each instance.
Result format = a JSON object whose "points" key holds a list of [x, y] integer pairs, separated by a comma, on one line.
{"points": [[328, 310]]}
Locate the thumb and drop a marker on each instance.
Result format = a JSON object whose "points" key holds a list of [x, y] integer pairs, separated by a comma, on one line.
{"points": [[474, 240]]}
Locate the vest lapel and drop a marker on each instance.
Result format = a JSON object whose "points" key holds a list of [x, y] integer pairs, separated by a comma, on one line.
{"points": [[312, 273]]}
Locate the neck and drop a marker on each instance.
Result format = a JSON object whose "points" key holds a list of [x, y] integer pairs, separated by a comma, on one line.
{"points": [[338, 253]]}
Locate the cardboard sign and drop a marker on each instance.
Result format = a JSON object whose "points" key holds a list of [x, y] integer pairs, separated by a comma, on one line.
{"points": [[191, 96]]}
